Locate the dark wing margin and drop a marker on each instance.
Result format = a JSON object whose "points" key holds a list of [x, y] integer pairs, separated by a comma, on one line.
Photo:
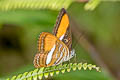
{"points": [[56, 26], [62, 28]]}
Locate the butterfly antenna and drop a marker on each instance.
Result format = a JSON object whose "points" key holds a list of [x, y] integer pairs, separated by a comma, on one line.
{"points": [[75, 45], [76, 41]]}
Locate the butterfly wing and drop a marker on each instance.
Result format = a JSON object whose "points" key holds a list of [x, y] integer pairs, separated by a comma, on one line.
{"points": [[62, 28], [46, 42], [51, 50]]}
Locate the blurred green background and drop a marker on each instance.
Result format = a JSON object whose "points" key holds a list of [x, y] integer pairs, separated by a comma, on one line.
{"points": [[19, 31]]}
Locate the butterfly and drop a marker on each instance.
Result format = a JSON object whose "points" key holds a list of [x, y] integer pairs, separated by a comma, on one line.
{"points": [[56, 47]]}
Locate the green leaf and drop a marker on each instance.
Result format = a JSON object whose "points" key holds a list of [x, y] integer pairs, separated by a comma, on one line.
{"points": [[52, 70], [40, 73], [64, 67], [24, 76], [85, 66], [46, 74], [6, 5], [79, 66], [19, 76], [90, 66], [74, 66], [13, 78], [35, 74], [92, 4], [69, 67], [29, 75], [46, 71]]}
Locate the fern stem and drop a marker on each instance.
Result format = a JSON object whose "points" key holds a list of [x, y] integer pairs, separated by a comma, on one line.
{"points": [[49, 71]]}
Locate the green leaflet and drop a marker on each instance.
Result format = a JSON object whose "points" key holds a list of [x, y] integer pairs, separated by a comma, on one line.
{"points": [[29, 74], [52, 71], [92, 4], [23, 76], [13, 78], [6, 5], [49, 71], [35, 74], [64, 67], [46, 74], [40, 73]]}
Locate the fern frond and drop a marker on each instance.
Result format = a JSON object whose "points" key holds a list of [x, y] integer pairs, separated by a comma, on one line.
{"points": [[92, 4], [50, 71], [6, 5]]}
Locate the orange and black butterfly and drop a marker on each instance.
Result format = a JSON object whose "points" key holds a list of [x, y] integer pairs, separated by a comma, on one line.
{"points": [[55, 48]]}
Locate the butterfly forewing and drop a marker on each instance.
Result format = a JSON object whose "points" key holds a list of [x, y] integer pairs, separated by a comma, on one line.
{"points": [[45, 42], [62, 28]]}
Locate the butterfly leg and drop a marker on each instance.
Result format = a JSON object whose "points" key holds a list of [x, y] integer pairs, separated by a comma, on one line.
{"points": [[75, 58], [73, 54], [62, 62], [69, 60]]}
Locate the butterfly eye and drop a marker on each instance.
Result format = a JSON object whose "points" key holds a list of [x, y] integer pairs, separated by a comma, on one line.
{"points": [[65, 40]]}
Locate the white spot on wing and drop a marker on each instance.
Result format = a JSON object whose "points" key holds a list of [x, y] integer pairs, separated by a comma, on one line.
{"points": [[49, 57], [61, 37]]}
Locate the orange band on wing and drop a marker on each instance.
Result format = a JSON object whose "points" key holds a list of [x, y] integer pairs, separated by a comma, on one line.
{"points": [[63, 26], [47, 40]]}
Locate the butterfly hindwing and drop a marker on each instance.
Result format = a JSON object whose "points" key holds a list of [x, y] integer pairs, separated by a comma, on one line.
{"points": [[46, 41], [62, 28], [51, 51]]}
